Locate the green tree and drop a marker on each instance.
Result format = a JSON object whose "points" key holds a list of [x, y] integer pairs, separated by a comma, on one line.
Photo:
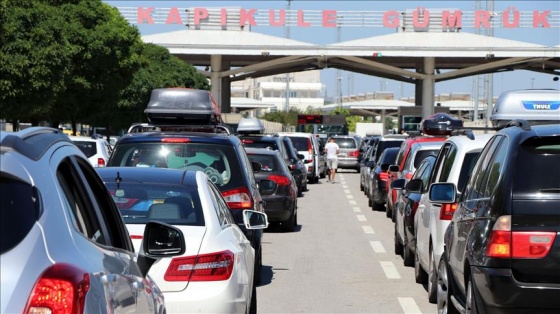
{"points": [[286, 118]]}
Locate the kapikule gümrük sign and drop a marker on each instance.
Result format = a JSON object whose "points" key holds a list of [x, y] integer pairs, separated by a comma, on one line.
{"points": [[420, 17]]}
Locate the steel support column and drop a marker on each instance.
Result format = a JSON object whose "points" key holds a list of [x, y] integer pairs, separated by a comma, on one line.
{"points": [[226, 89], [428, 87], [215, 80]]}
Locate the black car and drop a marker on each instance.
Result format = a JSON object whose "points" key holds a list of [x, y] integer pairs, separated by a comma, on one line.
{"points": [[377, 183], [366, 164], [297, 167], [406, 206], [502, 247], [277, 187]]}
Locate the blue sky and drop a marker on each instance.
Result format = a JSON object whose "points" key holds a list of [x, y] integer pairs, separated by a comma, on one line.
{"points": [[358, 83]]}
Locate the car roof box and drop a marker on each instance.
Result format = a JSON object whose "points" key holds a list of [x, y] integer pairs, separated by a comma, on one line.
{"points": [[182, 106], [537, 106], [440, 124], [250, 126]]}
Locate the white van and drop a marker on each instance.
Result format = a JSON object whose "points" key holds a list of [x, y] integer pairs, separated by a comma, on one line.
{"points": [[309, 146]]}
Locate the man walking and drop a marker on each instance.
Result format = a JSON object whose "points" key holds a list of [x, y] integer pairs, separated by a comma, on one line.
{"points": [[332, 150]]}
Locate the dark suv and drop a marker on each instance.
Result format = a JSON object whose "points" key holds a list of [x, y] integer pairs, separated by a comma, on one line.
{"points": [[221, 156], [502, 247]]}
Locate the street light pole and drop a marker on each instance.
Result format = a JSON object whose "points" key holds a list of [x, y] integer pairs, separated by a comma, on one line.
{"points": [[288, 74]]}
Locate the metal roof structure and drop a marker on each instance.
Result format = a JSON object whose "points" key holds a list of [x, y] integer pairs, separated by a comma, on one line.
{"points": [[420, 58]]}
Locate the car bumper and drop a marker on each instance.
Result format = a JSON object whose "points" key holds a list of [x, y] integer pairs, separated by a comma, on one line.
{"points": [[208, 297], [501, 293], [348, 163], [278, 208]]}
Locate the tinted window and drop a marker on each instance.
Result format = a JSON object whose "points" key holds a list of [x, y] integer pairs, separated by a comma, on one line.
{"points": [[220, 162], [476, 183], [268, 162], [448, 163], [389, 157], [496, 168], [538, 156], [88, 148], [382, 145], [301, 143], [422, 154], [468, 163], [19, 208], [140, 203]]}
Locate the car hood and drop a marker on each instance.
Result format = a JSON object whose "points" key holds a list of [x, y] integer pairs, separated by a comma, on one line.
{"points": [[194, 235]]}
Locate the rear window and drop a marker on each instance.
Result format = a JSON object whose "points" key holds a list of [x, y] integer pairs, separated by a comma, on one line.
{"points": [[389, 157], [301, 143], [219, 162], [88, 148], [269, 163], [19, 208], [537, 157], [260, 144], [422, 154], [346, 142], [140, 203]]}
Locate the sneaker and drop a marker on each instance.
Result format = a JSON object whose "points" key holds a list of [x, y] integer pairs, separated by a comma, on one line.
{"points": [[328, 180], [332, 181]]}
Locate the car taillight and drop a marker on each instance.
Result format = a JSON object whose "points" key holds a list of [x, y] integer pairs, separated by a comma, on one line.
{"points": [[504, 243], [204, 267], [383, 176], [238, 198], [175, 140], [136, 237], [61, 288], [279, 180], [100, 162], [353, 153], [293, 167], [414, 208], [309, 147], [408, 175], [447, 210]]}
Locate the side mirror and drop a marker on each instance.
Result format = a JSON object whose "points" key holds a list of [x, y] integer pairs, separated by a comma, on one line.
{"points": [[384, 167], [444, 193], [256, 166], [414, 186], [254, 219], [398, 184], [393, 168], [162, 240]]}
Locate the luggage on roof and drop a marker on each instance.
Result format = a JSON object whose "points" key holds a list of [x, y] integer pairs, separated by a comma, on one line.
{"points": [[440, 124], [182, 106], [537, 106]]}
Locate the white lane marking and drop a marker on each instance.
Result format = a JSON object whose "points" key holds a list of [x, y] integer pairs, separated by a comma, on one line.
{"points": [[390, 270], [361, 218], [352, 202], [344, 186], [356, 209], [409, 306], [347, 191], [349, 196], [377, 247], [368, 229]]}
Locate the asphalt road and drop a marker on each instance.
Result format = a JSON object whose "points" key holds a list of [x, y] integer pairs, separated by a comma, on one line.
{"points": [[340, 259]]}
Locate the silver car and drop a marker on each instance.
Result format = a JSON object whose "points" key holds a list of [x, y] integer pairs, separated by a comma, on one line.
{"points": [[64, 246]]}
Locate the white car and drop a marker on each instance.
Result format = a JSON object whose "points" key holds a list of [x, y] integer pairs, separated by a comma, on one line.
{"points": [[308, 145], [454, 162], [97, 150], [216, 272]]}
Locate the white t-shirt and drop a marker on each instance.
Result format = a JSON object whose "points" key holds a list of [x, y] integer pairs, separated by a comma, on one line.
{"points": [[331, 148]]}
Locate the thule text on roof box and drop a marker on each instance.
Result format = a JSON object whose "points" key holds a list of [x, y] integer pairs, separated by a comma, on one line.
{"points": [[182, 106], [538, 106]]}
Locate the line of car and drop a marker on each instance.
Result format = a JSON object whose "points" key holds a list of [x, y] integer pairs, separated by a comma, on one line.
{"points": [[478, 215]]}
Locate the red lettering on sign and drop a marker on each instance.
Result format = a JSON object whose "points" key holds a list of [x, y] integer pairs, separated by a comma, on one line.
{"points": [[481, 19], [174, 17], [145, 15], [391, 19], [223, 17], [505, 18], [329, 18], [300, 21], [451, 20], [540, 18], [200, 14], [247, 16], [421, 18], [271, 18]]}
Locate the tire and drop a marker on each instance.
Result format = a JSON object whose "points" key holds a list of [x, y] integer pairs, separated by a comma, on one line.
{"points": [[470, 302], [420, 276], [408, 258], [432, 279], [388, 211], [290, 224], [253, 304], [444, 304], [398, 244], [258, 266], [300, 191], [324, 173]]}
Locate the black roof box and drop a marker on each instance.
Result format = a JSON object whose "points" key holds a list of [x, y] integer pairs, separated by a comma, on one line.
{"points": [[182, 106], [440, 124]]}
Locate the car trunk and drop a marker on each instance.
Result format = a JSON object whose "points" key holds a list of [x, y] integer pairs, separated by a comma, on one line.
{"points": [[194, 236]]}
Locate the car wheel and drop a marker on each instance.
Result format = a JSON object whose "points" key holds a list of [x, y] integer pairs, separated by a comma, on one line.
{"points": [[419, 274], [470, 302], [408, 258], [388, 211], [324, 173], [444, 305], [398, 244], [253, 304], [361, 186], [290, 224], [300, 191], [258, 266], [432, 279]]}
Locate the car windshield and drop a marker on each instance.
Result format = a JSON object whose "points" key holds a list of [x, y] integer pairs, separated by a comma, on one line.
{"points": [[139, 203], [537, 156], [219, 162]]}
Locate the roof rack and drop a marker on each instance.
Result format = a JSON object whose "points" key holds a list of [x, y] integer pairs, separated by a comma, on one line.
{"points": [[466, 132], [524, 124], [33, 142], [147, 127]]}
